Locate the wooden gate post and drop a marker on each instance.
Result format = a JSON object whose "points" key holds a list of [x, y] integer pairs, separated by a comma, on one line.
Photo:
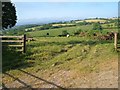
{"points": [[24, 49], [115, 40]]}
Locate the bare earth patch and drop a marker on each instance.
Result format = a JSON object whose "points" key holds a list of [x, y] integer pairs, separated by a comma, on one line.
{"points": [[106, 77]]}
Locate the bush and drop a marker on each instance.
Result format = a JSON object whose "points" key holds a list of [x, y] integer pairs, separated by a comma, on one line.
{"points": [[93, 33], [97, 26], [64, 33], [56, 27], [78, 32], [46, 26]]}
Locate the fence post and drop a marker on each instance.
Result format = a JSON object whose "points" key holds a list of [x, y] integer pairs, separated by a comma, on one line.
{"points": [[24, 49], [115, 40]]}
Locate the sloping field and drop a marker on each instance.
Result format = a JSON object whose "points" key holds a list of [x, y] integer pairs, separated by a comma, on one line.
{"points": [[61, 62], [56, 32], [62, 24], [102, 21], [94, 20]]}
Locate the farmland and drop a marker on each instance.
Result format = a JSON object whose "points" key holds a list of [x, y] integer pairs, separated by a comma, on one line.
{"points": [[52, 61], [56, 32], [93, 20]]}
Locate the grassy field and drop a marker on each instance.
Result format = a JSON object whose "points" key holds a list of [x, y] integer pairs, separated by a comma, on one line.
{"points": [[48, 52], [93, 20], [48, 57], [52, 49], [56, 32], [70, 30], [62, 24]]}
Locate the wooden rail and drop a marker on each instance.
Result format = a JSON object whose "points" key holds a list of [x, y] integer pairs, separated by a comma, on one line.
{"points": [[18, 42]]}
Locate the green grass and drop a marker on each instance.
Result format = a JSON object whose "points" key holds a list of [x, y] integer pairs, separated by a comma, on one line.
{"points": [[48, 55], [69, 53], [52, 54], [56, 32], [12, 59], [70, 30], [61, 52]]}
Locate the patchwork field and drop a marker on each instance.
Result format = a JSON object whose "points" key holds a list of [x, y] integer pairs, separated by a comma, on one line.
{"points": [[93, 20]]}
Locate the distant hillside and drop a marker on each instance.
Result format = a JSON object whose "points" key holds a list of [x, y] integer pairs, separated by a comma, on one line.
{"points": [[42, 21]]}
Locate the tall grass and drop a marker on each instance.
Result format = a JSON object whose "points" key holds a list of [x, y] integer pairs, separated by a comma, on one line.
{"points": [[11, 59]]}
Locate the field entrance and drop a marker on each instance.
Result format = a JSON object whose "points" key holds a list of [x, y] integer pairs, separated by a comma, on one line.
{"points": [[54, 62]]}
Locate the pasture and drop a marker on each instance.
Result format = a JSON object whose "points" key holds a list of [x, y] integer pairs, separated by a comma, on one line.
{"points": [[70, 30], [61, 62], [92, 21]]}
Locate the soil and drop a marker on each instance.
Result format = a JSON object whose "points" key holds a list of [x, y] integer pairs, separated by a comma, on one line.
{"points": [[105, 77]]}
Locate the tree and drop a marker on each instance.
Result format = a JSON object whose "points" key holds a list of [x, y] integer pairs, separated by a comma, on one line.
{"points": [[116, 23], [97, 26], [64, 32], [78, 32], [9, 18], [46, 26]]}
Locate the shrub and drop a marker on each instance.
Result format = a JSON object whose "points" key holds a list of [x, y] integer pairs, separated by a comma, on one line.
{"points": [[93, 33], [78, 32], [97, 26], [46, 26], [64, 33]]}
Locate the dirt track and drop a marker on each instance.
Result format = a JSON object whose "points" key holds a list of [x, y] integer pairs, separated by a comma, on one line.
{"points": [[106, 77]]}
